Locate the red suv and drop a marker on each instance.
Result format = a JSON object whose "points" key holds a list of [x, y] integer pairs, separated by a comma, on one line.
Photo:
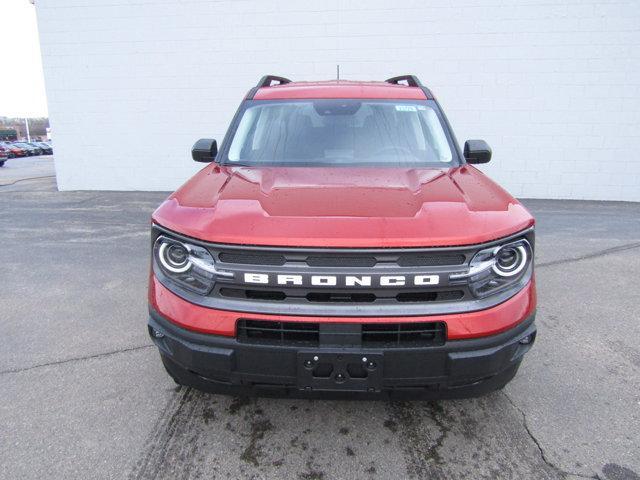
{"points": [[340, 242], [13, 150]]}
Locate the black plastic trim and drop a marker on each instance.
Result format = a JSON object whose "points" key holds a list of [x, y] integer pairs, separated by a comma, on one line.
{"points": [[265, 81], [457, 368], [411, 80], [268, 80]]}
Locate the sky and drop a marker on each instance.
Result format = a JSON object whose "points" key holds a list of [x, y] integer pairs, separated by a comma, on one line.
{"points": [[22, 91]]}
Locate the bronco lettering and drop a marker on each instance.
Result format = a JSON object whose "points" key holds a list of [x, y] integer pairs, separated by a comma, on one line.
{"points": [[342, 280]]}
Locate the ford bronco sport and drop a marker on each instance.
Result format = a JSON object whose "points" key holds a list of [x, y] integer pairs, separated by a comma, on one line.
{"points": [[339, 242]]}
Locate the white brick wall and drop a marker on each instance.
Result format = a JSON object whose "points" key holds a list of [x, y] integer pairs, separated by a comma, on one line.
{"points": [[552, 86]]}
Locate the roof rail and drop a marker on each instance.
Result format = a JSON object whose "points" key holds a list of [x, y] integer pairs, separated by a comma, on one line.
{"points": [[411, 80], [267, 80]]}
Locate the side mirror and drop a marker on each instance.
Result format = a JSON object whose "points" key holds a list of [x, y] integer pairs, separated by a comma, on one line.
{"points": [[204, 150], [477, 151]]}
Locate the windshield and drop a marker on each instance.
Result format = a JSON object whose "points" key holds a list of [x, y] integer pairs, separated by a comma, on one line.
{"points": [[340, 132]]}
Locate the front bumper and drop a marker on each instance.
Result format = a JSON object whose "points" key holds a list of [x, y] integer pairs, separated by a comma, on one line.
{"points": [[457, 369]]}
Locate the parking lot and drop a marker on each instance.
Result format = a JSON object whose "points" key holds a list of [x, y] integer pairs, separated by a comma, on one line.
{"points": [[25, 169], [84, 394]]}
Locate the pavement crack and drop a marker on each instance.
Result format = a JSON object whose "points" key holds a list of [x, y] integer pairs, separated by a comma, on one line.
{"points": [[564, 473], [588, 256], [75, 359], [25, 180]]}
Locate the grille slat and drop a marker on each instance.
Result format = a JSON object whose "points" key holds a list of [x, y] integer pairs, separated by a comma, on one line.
{"points": [[252, 258], [341, 261], [403, 334], [341, 297], [278, 333], [429, 260], [302, 295]]}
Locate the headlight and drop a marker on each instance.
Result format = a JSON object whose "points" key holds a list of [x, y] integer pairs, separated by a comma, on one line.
{"points": [[495, 269], [511, 259], [174, 257], [188, 265]]}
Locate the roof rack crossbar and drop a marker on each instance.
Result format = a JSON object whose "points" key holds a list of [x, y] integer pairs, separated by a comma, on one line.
{"points": [[267, 80], [411, 80]]}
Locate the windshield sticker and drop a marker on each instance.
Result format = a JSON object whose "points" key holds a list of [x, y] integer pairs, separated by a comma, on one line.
{"points": [[405, 108]]}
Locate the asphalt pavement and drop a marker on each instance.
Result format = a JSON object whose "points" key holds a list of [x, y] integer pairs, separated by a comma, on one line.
{"points": [[84, 395], [19, 170]]}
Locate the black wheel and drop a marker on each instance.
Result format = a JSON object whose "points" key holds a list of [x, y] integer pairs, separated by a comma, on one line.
{"points": [[2, 163]]}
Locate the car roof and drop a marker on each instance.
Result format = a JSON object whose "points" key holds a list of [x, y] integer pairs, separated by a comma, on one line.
{"points": [[339, 89]]}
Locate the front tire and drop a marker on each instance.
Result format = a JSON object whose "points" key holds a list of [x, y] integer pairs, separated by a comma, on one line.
{"points": [[2, 163]]}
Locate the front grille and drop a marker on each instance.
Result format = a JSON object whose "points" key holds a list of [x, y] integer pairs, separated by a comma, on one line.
{"points": [[370, 335], [402, 258], [264, 332], [346, 297], [299, 265], [341, 261], [429, 260], [326, 282], [252, 259], [403, 334], [443, 296], [253, 294]]}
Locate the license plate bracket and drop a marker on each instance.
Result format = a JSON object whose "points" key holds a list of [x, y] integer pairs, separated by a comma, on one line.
{"points": [[340, 371]]}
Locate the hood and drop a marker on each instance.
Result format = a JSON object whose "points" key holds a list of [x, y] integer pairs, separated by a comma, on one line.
{"points": [[342, 207]]}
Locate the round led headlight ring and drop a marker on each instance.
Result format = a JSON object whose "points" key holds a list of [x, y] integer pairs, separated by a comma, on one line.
{"points": [[510, 260], [174, 257]]}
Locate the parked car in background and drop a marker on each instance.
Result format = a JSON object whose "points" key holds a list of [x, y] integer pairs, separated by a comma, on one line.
{"points": [[36, 149], [14, 150], [31, 150], [27, 150], [37, 146], [4, 155], [46, 148]]}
